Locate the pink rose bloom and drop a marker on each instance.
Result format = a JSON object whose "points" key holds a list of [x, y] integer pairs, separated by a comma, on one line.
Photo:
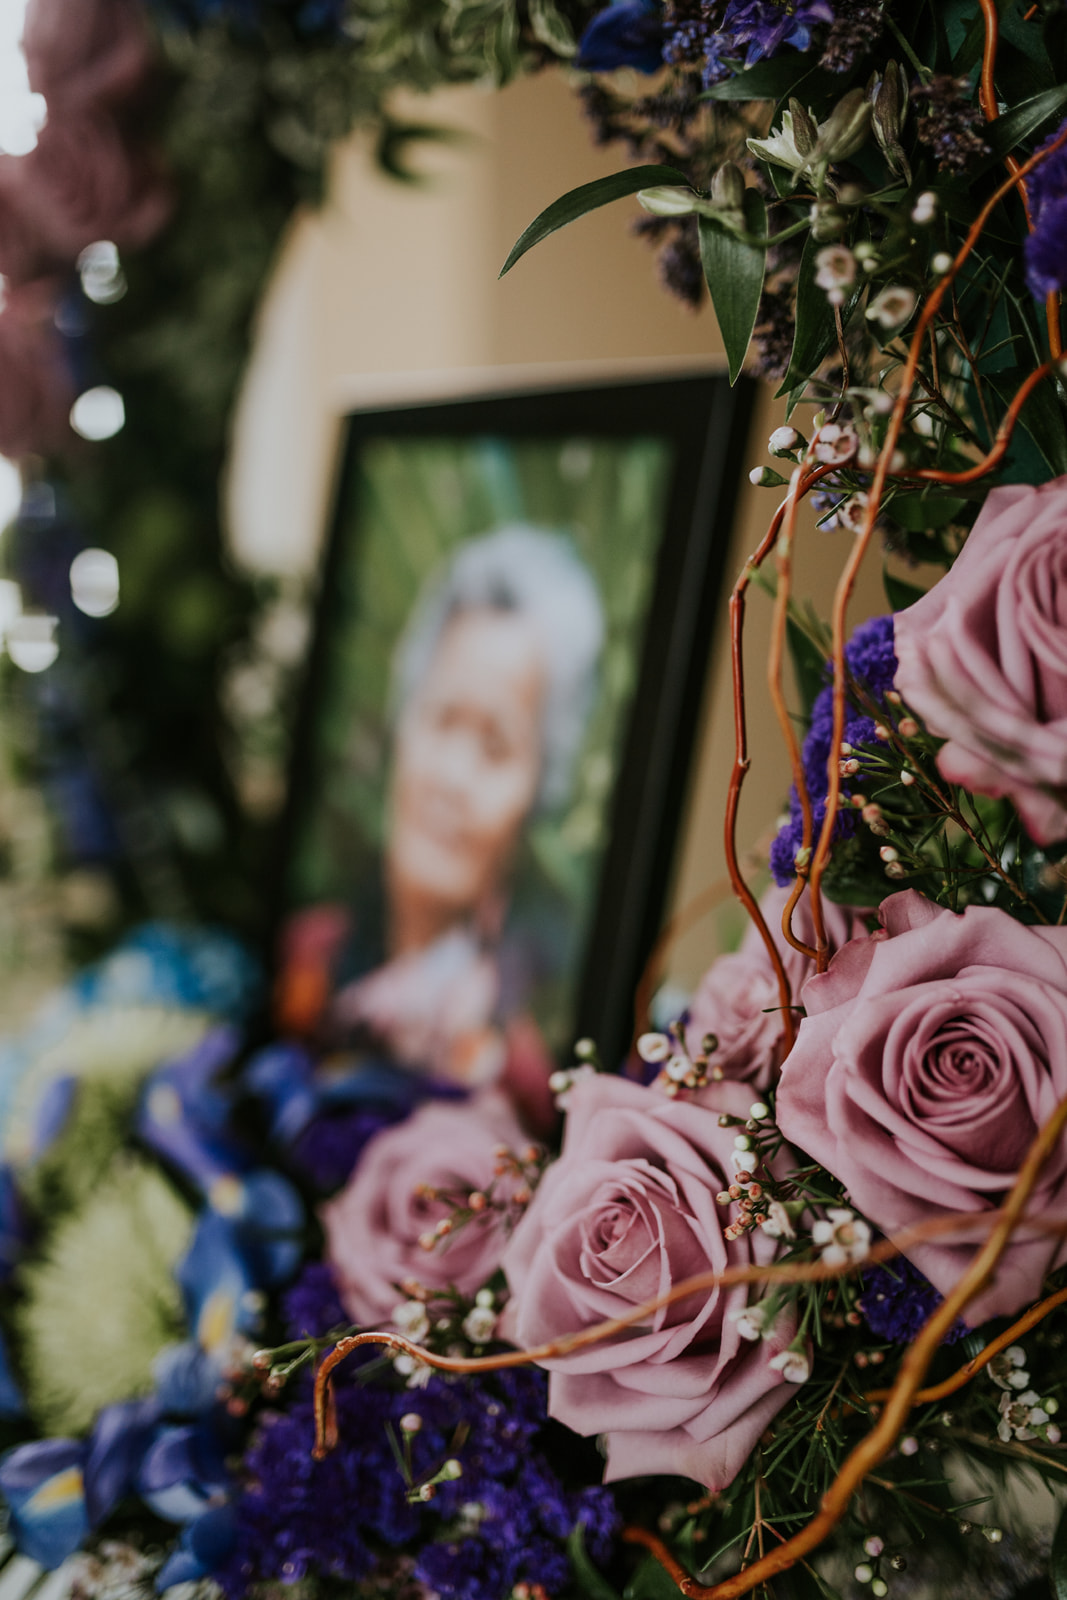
{"points": [[628, 1210], [983, 657], [86, 52], [36, 388], [931, 1054], [374, 1226], [738, 995], [82, 183]]}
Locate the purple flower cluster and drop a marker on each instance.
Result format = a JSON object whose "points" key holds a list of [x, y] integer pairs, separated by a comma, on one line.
{"points": [[502, 1523], [898, 1300], [325, 1152], [311, 1305], [1046, 247], [746, 32], [872, 663]]}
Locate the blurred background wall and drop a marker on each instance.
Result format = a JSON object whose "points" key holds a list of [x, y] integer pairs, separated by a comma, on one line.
{"points": [[391, 290]]}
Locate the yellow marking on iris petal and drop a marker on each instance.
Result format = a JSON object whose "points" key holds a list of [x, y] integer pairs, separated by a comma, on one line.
{"points": [[59, 1491], [217, 1317]]}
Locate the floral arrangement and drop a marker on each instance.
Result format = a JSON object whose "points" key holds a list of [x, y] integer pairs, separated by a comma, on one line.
{"points": [[780, 1310]]}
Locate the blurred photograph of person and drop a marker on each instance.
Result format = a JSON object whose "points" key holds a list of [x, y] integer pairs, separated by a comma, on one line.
{"points": [[493, 680]]}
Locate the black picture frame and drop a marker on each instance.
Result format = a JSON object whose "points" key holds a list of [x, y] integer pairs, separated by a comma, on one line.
{"points": [[706, 423]]}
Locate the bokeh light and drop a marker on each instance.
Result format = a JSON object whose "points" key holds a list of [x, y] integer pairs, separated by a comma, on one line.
{"points": [[10, 491], [102, 278], [22, 113], [98, 413], [31, 641], [94, 582]]}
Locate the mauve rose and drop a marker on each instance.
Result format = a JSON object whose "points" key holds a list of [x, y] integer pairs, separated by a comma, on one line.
{"points": [[628, 1210], [737, 998], [36, 388], [373, 1227], [931, 1054], [84, 52], [983, 656], [83, 182]]}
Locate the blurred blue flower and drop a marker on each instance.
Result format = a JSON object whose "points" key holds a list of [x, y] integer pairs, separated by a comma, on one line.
{"points": [[163, 965], [203, 1545], [187, 1119], [183, 1472], [120, 1436], [11, 1401], [12, 1223], [44, 1488], [627, 34]]}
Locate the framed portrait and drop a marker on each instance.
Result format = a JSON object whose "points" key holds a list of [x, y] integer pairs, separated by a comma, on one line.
{"points": [[491, 760]]}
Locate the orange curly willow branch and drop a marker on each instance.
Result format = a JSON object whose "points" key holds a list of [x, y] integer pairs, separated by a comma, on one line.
{"points": [[907, 1391]]}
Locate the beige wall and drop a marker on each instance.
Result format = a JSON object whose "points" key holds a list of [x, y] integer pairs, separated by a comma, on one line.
{"points": [[389, 281]]}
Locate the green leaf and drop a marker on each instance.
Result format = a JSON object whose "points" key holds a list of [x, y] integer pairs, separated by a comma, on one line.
{"points": [[551, 28], [734, 273], [1021, 122], [924, 509], [651, 1582], [397, 138], [1042, 416], [771, 80], [1057, 1565], [900, 595], [569, 207], [590, 1581], [816, 331], [809, 664]]}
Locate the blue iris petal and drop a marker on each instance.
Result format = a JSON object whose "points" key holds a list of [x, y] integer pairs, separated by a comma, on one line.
{"points": [[11, 1401], [202, 1547], [183, 1116], [43, 1486], [187, 1379], [217, 1283], [120, 1436], [183, 1472], [12, 1223]]}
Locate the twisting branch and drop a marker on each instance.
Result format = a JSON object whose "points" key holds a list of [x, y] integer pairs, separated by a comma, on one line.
{"points": [[877, 1444], [784, 565], [987, 96], [847, 580], [741, 760], [1000, 443], [970, 1369], [597, 1333]]}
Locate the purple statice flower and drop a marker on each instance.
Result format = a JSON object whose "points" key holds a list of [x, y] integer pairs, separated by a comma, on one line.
{"points": [[871, 661], [1046, 247], [326, 1150], [1046, 251], [1048, 181], [898, 1300], [311, 1305], [503, 1522]]}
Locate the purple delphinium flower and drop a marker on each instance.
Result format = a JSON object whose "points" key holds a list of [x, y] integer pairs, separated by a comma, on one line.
{"points": [[898, 1300], [507, 1516], [872, 662], [753, 30]]}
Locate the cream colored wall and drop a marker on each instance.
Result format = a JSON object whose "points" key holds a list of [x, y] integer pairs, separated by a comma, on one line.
{"points": [[390, 281]]}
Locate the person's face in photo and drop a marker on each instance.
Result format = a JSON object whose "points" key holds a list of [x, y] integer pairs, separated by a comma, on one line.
{"points": [[467, 763]]}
